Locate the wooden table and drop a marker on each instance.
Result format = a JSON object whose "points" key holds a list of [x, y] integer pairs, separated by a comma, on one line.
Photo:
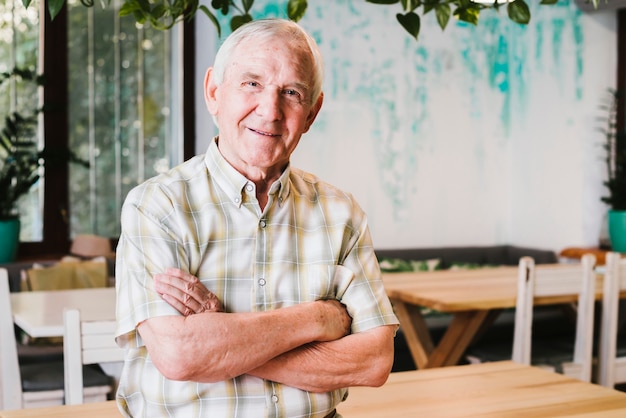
{"points": [[40, 313], [474, 297], [496, 390], [106, 409]]}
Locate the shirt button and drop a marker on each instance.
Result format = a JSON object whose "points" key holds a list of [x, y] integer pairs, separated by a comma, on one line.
{"points": [[263, 224], [262, 282], [274, 398], [249, 187], [237, 200]]}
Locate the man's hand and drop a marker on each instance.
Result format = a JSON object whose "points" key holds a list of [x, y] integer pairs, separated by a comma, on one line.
{"points": [[334, 319], [186, 293]]}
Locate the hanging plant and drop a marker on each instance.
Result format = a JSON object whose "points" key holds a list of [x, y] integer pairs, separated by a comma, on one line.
{"points": [[164, 14]]}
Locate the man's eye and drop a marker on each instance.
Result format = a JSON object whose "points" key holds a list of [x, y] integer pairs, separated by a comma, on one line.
{"points": [[292, 94], [252, 84]]}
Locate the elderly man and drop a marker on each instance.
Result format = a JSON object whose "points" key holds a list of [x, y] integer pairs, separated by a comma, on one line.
{"points": [[247, 287]]}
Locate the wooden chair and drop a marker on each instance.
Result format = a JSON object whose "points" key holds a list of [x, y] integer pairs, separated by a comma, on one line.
{"points": [[551, 280], [561, 347], [39, 383], [26, 386], [611, 365], [89, 246], [85, 343]]}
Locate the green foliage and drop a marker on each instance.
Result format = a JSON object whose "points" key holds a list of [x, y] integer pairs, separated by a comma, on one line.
{"points": [[163, 14], [20, 156], [615, 154]]}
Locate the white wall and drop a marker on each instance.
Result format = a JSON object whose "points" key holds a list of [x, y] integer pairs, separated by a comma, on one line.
{"points": [[471, 136]]}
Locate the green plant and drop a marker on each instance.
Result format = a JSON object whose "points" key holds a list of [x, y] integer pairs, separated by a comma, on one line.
{"points": [[21, 159], [163, 14], [615, 154]]}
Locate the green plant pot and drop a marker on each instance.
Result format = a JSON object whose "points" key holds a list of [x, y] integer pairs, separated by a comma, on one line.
{"points": [[9, 239], [617, 230]]}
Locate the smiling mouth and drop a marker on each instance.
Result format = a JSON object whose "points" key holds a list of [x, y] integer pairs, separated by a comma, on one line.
{"points": [[264, 133]]}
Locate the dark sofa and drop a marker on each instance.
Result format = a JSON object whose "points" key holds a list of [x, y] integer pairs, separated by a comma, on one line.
{"points": [[475, 256], [488, 255]]}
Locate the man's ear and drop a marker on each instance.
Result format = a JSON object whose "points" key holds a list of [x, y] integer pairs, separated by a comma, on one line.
{"points": [[315, 109], [210, 91]]}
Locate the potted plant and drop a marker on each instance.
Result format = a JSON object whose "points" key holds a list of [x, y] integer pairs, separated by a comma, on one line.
{"points": [[21, 162], [615, 158]]}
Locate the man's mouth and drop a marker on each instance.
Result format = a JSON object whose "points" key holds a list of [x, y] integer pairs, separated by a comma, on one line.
{"points": [[264, 133]]}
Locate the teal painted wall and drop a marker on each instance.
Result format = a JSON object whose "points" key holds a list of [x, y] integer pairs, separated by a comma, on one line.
{"points": [[470, 136]]}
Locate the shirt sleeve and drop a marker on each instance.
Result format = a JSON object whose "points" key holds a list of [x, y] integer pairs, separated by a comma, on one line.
{"points": [[365, 296], [147, 246]]}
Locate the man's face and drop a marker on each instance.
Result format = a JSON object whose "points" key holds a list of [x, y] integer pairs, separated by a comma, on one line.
{"points": [[263, 105]]}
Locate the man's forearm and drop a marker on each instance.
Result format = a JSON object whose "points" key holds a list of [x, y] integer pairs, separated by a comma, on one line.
{"points": [[363, 359], [215, 346]]}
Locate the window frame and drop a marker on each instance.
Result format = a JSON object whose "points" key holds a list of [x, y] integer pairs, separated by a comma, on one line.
{"points": [[56, 237]]}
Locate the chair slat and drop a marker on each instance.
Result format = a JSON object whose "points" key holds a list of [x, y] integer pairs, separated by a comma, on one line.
{"points": [[86, 342]]}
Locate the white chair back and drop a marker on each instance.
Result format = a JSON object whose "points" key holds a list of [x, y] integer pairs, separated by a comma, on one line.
{"points": [[10, 379], [85, 342], [611, 369], [556, 280]]}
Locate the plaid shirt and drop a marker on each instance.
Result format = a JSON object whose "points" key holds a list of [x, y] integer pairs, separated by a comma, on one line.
{"points": [[311, 242]]}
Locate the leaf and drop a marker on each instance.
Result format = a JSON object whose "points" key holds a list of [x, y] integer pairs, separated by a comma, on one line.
{"points": [[468, 13], [139, 16], [238, 21], [129, 7], [296, 9], [143, 5], [158, 11], [518, 12], [548, 1], [247, 5], [382, 1], [442, 11], [213, 19], [410, 22], [429, 5], [26, 3], [222, 5], [54, 7], [410, 5]]}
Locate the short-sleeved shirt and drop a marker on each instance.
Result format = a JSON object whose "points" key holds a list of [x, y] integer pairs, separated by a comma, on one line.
{"points": [[310, 242]]}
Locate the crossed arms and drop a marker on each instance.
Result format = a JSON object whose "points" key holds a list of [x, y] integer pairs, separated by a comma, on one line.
{"points": [[307, 346]]}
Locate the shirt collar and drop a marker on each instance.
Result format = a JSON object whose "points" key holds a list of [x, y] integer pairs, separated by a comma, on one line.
{"points": [[233, 182]]}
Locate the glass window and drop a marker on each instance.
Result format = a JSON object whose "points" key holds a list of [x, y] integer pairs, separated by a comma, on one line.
{"points": [[19, 48], [120, 111], [124, 109]]}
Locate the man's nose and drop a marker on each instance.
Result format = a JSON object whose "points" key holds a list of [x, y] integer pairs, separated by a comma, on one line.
{"points": [[269, 105]]}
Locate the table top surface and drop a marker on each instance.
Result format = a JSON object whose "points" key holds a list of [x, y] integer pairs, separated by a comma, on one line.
{"points": [[106, 409], [40, 313], [498, 389], [466, 290]]}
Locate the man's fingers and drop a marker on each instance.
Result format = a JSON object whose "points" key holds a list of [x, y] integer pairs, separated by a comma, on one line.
{"points": [[185, 292]]}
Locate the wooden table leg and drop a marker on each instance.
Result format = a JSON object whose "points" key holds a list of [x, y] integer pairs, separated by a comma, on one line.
{"points": [[415, 331], [460, 333]]}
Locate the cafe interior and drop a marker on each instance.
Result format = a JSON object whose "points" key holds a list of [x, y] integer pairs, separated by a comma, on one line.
{"points": [[486, 157]]}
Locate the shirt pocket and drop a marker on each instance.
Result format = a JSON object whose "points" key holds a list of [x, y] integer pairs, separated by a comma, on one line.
{"points": [[328, 281]]}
